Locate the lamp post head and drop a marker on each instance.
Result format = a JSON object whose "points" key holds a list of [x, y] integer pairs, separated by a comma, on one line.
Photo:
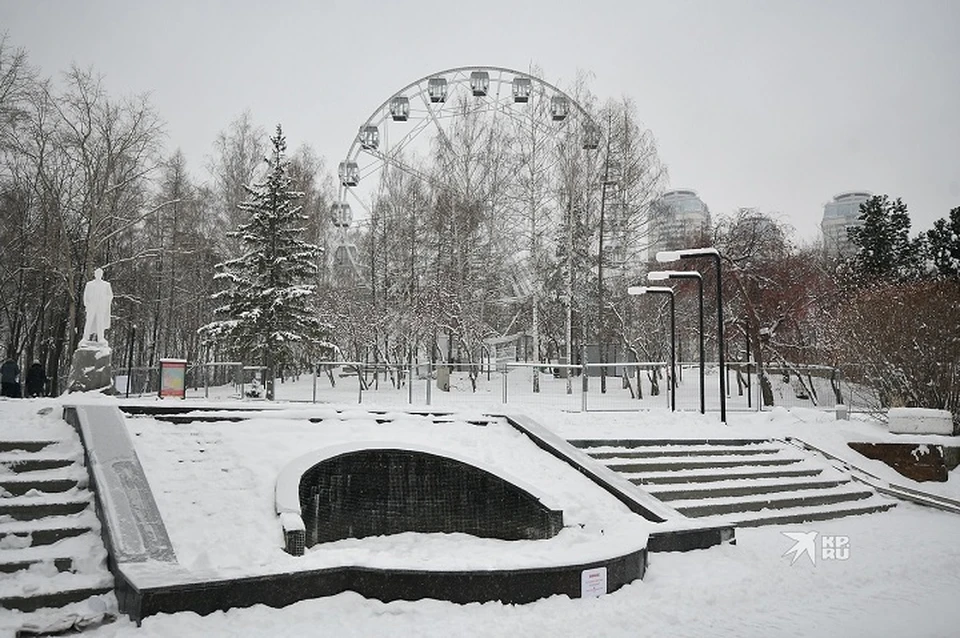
{"points": [[674, 255], [665, 256], [663, 275], [642, 290]]}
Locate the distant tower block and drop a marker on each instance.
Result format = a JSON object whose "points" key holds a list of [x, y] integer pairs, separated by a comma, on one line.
{"points": [[678, 218], [839, 216]]}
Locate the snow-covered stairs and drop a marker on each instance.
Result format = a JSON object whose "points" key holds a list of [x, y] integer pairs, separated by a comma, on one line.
{"points": [[53, 573], [743, 482]]}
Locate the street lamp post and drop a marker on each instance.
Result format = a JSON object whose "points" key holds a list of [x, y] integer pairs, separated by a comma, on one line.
{"points": [[601, 349], [664, 290], [663, 275], [695, 253], [746, 331]]}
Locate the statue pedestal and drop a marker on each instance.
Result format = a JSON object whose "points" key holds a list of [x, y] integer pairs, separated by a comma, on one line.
{"points": [[91, 368]]}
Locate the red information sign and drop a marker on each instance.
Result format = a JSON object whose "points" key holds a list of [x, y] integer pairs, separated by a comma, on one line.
{"points": [[173, 374]]}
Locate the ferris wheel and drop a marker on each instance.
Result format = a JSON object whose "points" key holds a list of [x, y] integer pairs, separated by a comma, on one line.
{"points": [[401, 133]]}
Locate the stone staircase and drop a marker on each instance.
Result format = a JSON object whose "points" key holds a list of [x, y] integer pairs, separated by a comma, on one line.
{"points": [[742, 482], [53, 574]]}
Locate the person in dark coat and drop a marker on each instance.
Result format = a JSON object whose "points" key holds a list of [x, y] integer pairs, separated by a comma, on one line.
{"points": [[36, 380], [10, 379]]}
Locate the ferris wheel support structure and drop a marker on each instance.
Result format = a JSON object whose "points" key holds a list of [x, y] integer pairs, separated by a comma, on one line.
{"points": [[420, 105]]}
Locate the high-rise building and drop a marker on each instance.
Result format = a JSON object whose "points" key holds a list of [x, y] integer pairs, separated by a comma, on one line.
{"points": [[678, 219], [839, 215]]}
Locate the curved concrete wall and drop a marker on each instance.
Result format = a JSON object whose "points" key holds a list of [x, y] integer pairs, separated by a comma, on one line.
{"points": [[372, 492]]}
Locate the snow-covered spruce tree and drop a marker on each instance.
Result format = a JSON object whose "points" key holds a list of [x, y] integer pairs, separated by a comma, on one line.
{"points": [[885, 252], [268, 312], [943, 245]]}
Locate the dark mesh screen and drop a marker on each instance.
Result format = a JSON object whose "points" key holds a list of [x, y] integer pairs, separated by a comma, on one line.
{"points": [[376, 492]]}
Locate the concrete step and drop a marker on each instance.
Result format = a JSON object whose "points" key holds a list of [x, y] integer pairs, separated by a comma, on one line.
{"points": [[47, 536], [46, 531], [25, 508], [20, 463], [20, 485], [33, 602], [52, 559], [9, 565], [641, 443], [677, 451], [675, 464], [25, 446], [74, 618], [735, 481], [721, 489], [808, 514], [759, 502], [199, 418], [709, 475]]}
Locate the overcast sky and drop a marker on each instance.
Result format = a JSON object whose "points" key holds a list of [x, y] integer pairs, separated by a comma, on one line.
{"points": [[778, 105]]}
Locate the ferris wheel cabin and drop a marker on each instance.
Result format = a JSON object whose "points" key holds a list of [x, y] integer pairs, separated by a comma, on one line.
{"points": [[349, 173], [522, 88], [591, 136], [400, 108], [437, 89], [341, 215], [369, 137], [559, 108], [479, 83]]}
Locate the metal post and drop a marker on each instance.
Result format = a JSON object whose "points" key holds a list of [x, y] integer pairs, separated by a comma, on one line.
{"points": [[666, 394], [759, 397], [410, 376], [680, 358], [600, 352], [749, 395], [503, 382], [703, 402], [429, 378], [314, 383], [133, 334], [673, 355], [723, 384], [585, 383]]}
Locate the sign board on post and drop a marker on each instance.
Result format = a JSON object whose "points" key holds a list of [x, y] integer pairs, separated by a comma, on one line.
{"points": [[593, 582], [173, 374]]}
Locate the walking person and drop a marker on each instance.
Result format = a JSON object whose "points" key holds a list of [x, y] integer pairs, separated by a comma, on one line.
{"points": [[10, 378], [36, 380]]}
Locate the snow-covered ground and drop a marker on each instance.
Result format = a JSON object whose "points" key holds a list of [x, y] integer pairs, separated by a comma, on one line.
{"points": [[900, 577]]}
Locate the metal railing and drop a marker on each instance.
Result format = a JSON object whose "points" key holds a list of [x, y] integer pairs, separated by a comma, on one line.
{"points": [[554, 385]]}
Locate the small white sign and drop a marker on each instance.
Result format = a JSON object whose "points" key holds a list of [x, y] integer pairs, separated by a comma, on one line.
{"points": [[593, 582]]}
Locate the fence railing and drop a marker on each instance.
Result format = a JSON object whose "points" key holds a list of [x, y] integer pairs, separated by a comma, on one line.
{"points": [[612, 386]]}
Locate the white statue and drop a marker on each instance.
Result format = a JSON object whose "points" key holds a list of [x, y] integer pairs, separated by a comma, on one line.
{"points": [[97, 297]]}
